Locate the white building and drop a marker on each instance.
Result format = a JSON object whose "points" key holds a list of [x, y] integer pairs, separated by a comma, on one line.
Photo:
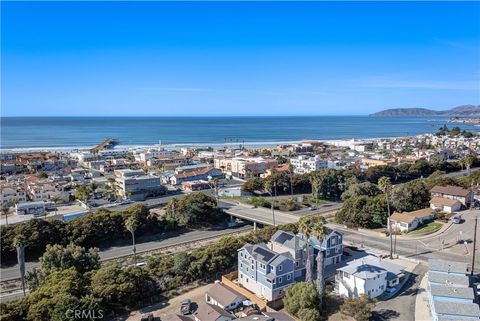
{"points": [[150, 154], [244, 166], [11, 195], [35, 208], [368, 275], [45, 191], [304, 164], [135, 185], [408, 221], [224, 297], [445, 204]]}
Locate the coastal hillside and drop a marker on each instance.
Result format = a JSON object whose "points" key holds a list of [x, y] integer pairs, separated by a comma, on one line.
{"points": [[465, 110]]}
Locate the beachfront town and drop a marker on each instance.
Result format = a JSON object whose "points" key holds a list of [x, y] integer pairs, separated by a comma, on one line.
{"points": [[313, 230]]}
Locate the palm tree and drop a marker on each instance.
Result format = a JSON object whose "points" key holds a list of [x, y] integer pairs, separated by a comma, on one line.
{"points": [[320, 232], [112, 186], [131, 224], [6, 212], [304, 227], [467, 161], [290, 174], [19, 243], [56, 199], [315, 182], [385, 185]]}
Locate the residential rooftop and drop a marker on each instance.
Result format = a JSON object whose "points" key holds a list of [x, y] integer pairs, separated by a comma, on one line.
{"points": [[447, 266]]}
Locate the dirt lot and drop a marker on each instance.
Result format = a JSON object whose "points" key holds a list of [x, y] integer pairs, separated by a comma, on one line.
{"points": [[172, 306]]}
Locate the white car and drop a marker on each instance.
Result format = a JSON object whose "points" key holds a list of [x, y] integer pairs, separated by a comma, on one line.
{"points": [[456, 220], [125, 202]]}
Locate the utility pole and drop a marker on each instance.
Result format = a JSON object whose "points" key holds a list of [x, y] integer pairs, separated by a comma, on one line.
{"points": [[173, 214], [474, 246]]}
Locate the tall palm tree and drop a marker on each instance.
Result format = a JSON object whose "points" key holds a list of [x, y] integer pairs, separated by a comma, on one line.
{"points": [[131, 224], [56, 199], [385, 185], [19, 243], [6, 212], [320, 232], [305, 226], [112, 187], [467, 161]]}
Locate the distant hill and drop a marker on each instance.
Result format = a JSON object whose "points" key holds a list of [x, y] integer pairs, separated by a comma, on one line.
{"points": [[465, 110]]}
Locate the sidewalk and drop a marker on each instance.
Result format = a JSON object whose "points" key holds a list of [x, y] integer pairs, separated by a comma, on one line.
{"points": [[364, 231], [422, 310]]}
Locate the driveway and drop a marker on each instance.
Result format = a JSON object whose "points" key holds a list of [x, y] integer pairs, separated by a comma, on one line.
{"points": [[402, 306]]}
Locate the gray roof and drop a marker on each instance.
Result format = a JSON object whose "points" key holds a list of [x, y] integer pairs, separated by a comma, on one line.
{"points": [[262, 253], [280, 316], [288, 239], [210, 312], [256, 317], [447, 266], [450, 279], [447, 318], [223, 294], [370, 266], [456, 308], [452, 292]]}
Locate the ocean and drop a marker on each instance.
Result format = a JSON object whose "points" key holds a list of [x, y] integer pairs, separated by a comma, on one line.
{"points": [[84, 132]]}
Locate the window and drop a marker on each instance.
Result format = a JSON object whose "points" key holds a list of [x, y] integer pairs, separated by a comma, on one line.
{"points": [[280, 268], [289, 277], [333, 241], [296, 264], [280, 280], [241, 265]]}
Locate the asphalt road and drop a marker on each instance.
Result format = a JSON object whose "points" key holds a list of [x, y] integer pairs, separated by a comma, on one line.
{"points": [[402, 306], [160, 241], [423, 249]]}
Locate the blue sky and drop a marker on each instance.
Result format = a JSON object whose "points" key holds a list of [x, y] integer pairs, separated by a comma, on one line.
{"points": [[243, 58]]}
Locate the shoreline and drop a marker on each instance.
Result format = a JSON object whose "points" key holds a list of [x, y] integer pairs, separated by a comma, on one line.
{"points": [[254, 144]]}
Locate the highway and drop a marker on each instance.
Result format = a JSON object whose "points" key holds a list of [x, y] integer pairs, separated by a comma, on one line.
{"points": [[161, 241], [265, 216]]}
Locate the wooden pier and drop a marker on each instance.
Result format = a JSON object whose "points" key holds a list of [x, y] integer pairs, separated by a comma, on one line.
{"points": [[106, 144]]}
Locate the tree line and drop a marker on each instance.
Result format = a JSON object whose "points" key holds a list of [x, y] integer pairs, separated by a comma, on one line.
{"points": [[104, 228], [71, 277]]}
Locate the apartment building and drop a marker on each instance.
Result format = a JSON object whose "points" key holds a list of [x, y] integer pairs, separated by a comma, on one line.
{"points": [[135, 185], [305, 164], [244, 166], [46, 190], [458, 193], [10, 194]]}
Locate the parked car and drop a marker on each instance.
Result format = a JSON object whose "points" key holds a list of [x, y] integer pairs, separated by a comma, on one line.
{"points": [[185, 307], [147, 317], [456, 220], [125, 202]]}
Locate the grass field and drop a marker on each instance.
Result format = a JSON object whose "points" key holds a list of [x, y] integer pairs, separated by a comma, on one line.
{"points": [[429, 228]]}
